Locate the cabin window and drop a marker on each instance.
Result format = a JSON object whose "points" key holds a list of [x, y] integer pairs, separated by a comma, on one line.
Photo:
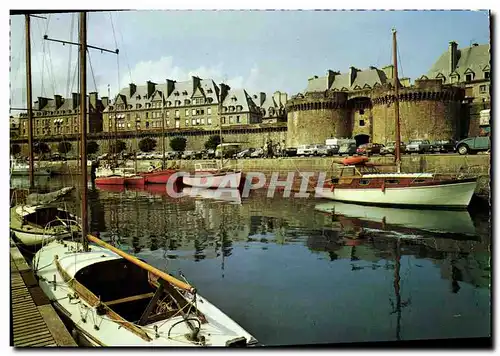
{"points": [[419, 180], [392, 181], [364, 181]]}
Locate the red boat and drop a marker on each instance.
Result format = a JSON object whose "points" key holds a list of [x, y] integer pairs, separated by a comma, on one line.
{"points": [[354, 160], [111, 180], [135, 181], [157, 177]]}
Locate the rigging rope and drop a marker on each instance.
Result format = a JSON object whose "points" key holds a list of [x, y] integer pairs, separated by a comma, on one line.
{"points": [[116, 45], [92, 70]]}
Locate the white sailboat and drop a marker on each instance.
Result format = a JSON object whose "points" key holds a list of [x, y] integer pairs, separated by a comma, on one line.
{"points": [[115, 299]]}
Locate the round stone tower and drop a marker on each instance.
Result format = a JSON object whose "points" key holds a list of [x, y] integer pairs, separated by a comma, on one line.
{"points": [[427, 110], [316, 116]]}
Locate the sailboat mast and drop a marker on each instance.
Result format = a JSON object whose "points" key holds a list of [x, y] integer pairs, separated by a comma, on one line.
{"points": [[83, 124], [29, 103], [397, 148], [220, 129], [163, 131]]}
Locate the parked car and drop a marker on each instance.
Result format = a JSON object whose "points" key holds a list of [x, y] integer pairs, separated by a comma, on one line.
{"points": [[369, 149], [321, 150], [418, 146], [443, 146], [56, 157], [245, 153], [332, 150], [173, 154], [307, 150], [259, 152], [348, 149], [208, 154], [473, 145], [291, 151], [390, 148]]}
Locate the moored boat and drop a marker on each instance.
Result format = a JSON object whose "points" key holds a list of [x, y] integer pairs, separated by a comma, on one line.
{"points": [[207, 175], [160, 176]]}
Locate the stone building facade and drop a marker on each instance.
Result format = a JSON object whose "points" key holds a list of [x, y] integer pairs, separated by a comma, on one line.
{"points": [[470, 69], [187, 105], [60, 116], [272, 106]]}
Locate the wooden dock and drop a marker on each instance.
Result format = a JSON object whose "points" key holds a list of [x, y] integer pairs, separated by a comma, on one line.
{"points": [[34, 322]]}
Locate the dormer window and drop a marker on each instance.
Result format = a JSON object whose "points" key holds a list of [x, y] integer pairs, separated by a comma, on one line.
{"points": [[184, 93], [187, 102], [454, 78], [209, 91], [148, 105], [469, 77], [169, 103], [138, 106], [138, 97], [209, 100], [487, 75], [239, 107], [176, 93]]}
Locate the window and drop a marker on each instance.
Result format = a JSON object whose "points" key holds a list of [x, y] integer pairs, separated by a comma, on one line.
{"points": [[209, 111], [209, 121], [392, 181], [187, 122], [168, 113], [223, 119], [177, 124], [202, 121], [238, 119], [486, 75], [361, 122], [197, 121], [176, 113], [482, 89], [364, 182], [194, 112], [202, 112], [147, 115], [230, 119], [187, 112], [193, 122], [147, 124], [168, 122], [361, 111], [468, 77]]}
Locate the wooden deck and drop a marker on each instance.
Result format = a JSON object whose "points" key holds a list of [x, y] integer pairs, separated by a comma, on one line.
{"points": [[34, 322]]}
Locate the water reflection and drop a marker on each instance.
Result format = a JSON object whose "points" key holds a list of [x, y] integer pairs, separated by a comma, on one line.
{"points": [[293, 274]]}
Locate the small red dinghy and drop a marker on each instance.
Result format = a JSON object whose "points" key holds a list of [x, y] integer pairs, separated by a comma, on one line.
{"points": [[350, 161]]}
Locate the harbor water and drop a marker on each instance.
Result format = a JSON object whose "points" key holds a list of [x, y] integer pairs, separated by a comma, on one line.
{"points": [[306, 270]]}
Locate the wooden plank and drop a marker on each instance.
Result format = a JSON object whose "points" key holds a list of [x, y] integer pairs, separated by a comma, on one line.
{"points": [[56, 327], [29, 278], [34, 342], [18, 259], [24, 326], [130, 299], [39, 297], [28, 336]]}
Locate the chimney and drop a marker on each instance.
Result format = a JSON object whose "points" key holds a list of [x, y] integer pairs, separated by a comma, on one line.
{"points": [[352, 75], [373, 68], [151, 88], [170, 87], [331, 77], [453, 55], [105, 101], [262, 98], [196, 82], [93, 100], [132, 89], [475, 44], [41, 102], [58, 100], [389, 71], [224, 90], [76, 100]]}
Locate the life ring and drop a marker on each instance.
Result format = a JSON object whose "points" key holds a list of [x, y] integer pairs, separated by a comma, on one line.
{"points": [[349, 161]]}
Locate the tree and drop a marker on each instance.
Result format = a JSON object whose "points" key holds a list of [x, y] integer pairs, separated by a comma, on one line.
{"points": [[15, 149], [41, 148], [212, 142], [64, 147], [117, 147], [92, 147], [178, 143], [147, 144]]}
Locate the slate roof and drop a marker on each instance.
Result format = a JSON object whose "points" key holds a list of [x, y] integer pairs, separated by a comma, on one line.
{"points": [[475, 58], [239, 97], [369, 76]]}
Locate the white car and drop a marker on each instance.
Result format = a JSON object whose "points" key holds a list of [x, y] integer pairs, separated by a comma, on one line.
{"points": [[307, 150]]}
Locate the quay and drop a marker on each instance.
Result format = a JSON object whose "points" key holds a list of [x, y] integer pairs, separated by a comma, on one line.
{"points": [[34, 322]]}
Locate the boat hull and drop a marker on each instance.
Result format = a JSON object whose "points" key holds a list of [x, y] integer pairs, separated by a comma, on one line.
{"points": [[136, 181], [113, 180], [452, 195], [36, 172], [230, 180], [28, 238], [158, 177]]}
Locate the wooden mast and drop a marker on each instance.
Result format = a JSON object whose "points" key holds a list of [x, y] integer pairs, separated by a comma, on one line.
{"points": [[397, 148], [28, 101], [163, 129], [220, 129], [83, 124]]}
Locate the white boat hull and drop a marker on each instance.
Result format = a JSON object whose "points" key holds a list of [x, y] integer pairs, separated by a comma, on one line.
{"points": [[455, 195], [230, 180], [218, 330]]}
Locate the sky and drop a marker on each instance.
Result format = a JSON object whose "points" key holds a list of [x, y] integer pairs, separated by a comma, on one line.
{"points": [[255, 50]]}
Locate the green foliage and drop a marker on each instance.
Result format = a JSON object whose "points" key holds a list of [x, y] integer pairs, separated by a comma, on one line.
{"points": [[92, 147], [64, 147], [178, 143], [212, 142], [41, 148], [15, 149], [117, 147], [147, 144]]}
